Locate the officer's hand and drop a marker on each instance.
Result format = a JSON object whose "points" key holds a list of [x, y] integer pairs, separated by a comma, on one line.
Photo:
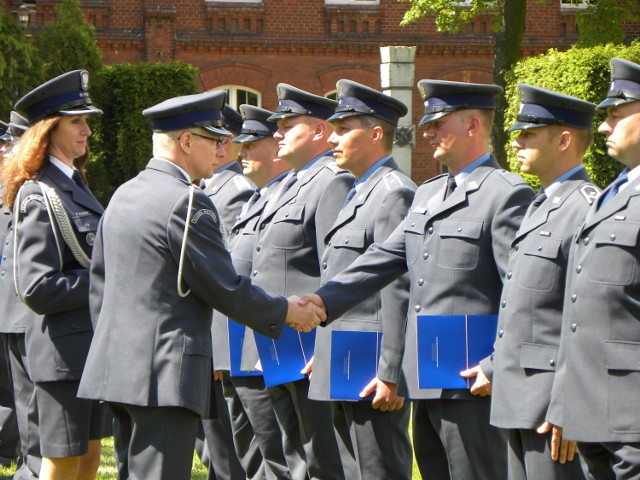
{"points": [[315, 299], [386, 398], [561, 450], [482, 385], [308, 368], [304, 317], [217, 375]]}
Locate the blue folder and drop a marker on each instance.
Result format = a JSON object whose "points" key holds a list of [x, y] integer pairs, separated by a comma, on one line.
{"points": [[236, 339], [449, 344], [283, 359], [354, 362]]}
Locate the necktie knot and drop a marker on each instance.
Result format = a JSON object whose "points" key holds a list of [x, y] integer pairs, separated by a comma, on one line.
{"points": [[451, 185], [77, 178], [615, 187], [288, 183]]}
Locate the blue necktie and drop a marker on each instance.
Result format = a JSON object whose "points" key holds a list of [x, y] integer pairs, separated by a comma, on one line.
{"points": [[538, 199], [287, 185], [350, 195], [615, 187], [451, 185], [77, 178]]}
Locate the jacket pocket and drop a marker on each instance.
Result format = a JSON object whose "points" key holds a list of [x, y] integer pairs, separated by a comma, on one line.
{"points": [[616, 244], [539, 264], [350, 238], [459, 249], [622, 360], [287, 227], [536, 356]]}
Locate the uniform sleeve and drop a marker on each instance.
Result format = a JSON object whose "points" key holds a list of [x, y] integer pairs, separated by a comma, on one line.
{"points": [[395, 296], [44, 288], [97, 276], [209, 272], [370, 272]]}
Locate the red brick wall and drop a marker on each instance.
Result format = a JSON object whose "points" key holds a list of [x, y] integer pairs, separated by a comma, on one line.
{"points": [[304, 43]]}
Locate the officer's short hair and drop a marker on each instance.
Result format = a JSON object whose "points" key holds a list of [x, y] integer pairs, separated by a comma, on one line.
{"points": [[388, 129]]}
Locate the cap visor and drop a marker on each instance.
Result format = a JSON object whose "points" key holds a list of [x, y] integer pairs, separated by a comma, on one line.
{"points": [[430, 117], [280, 115], [341, 115], [83, 110], [223, 132], [614, 102], [526, 126], [246, 138]]}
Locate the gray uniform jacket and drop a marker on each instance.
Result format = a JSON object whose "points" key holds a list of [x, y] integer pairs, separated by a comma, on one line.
{"points": [[59, 339], [528, 337], [290, 239], [597, 386], [380, 205], [455, 251], [229, 190], [152, 347]]}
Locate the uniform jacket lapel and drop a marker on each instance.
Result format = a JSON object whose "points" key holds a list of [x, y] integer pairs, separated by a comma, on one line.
{"points": [[52, 175], [350, 210], [614, 205], [223, 178]]}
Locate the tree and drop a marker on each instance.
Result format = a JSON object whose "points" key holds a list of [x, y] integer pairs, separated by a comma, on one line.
{"points": [[68, 43], [599, 23], [19, 64]]}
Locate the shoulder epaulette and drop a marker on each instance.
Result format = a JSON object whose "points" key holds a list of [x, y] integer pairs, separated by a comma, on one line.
{"points": [[242, 183], [432, 179], [590, 193], [513, 178], [335, 168]]}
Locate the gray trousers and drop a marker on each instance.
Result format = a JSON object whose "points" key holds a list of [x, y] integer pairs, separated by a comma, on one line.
{"points": [[378, 442], [9, 434], [310, 445], [153, 442], [453, 440], [529, 458], [611, 461]]}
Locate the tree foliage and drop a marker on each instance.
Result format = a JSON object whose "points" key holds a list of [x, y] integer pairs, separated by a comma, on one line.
{"points": [[602, 21], [68, 43], [121, 144], [581, 72], [19, 64]]}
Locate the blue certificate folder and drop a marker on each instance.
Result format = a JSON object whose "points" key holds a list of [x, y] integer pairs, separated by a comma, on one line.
{"points": [[354, 362], [283, 359], [449, 344], [236, 339]]}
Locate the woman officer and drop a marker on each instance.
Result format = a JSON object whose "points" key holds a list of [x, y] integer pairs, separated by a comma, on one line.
{"points": [[55, 217]]}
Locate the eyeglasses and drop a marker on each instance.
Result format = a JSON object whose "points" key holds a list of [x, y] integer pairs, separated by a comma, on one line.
{"points": [[220, 142]]}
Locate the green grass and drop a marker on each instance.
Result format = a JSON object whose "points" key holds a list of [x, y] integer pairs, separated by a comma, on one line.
{"points": [[107, 470]]}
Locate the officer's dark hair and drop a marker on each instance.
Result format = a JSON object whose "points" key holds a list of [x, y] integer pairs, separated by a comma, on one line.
{"points": [[584, 138], [388, 129]]}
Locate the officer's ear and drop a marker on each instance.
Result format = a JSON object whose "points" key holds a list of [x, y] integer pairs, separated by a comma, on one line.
{"points": [[377, 134], [322, 130], [565, 139], [185, 141]]}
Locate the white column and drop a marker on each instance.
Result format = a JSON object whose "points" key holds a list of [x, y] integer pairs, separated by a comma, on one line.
{"points": [[397, 70]]}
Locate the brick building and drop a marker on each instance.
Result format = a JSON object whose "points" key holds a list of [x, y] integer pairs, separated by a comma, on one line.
{"points": [[248, 46]]}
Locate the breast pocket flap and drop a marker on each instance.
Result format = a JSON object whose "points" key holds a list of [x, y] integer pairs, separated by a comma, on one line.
{"points": [[461, 228], [543, 247], [351, 238], [415, 222], [538, 356], [290, 213], [617, 233]]}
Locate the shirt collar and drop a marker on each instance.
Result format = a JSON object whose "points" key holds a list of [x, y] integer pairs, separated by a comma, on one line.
{"points": [[462, 175], [66, 169], [370, 171], [308, 165], [186, 175], [555, 185]]}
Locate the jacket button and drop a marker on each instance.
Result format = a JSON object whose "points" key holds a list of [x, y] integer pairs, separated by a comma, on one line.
{"points": [[417, 308], [272, 327], [500, 333], [425, 255], [258, 248], [346, 241], [329, 244], [539, 248], [255, 272], [324, 265], [430, 230], [236, 231], [612, 236], [516, 247], [504, 303], [574, 297], [578, 268], [509, 275], [574, 327], [459, 229], [421, 281], [413, 224], [552, 362], [586, 240], [262, 226]]}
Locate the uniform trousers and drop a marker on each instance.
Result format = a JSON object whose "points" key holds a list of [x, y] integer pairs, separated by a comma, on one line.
{"points": [[453, 440], [611, 461], [379, 443], [215, 442], [258, 411], [310, 445], [9, 434], [153, 442], [26, 408], [529, 458]]}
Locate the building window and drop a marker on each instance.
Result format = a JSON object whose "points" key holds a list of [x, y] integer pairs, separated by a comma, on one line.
{"points": [[568, 4], [238, 95], [352, 2]]}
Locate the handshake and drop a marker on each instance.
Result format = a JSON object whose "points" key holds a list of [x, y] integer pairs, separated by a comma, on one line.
{"points": [[306, 313]]}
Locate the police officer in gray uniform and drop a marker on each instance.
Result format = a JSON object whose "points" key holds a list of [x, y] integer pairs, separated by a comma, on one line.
{"points": [[229, 190], [286, 260], [597, 384], [365, 122], [256, 432], [454, 243], [160, 265], [554, 133]]}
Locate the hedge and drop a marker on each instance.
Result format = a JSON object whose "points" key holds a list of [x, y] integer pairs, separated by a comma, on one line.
{"points": [[583, 73], [121, 141]]}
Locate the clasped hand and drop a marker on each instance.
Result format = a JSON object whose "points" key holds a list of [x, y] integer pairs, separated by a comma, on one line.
{"points": [[305, 314]]}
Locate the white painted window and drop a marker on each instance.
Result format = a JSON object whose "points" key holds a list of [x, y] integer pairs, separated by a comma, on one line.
{"points": [[568, 4], [238, 95]]}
